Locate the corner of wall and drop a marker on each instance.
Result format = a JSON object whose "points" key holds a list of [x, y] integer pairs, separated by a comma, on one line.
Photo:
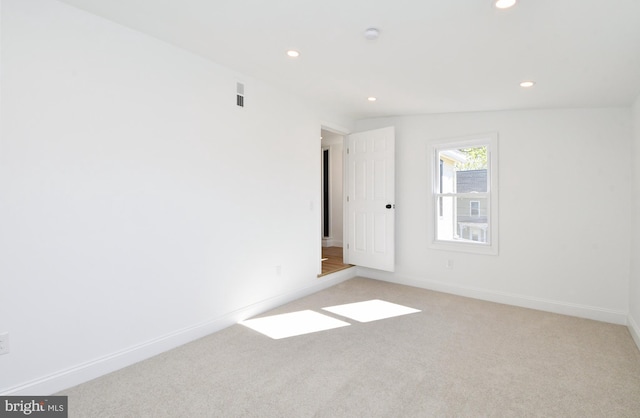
{"points": [[634, 330], [634, 276]]}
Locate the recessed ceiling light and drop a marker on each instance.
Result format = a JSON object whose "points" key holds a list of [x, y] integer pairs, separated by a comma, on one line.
{"points": [[293, 53], [504, 4], [527, 84], [372, 99]]}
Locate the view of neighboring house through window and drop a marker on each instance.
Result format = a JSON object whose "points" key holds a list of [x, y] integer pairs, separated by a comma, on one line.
{"points": [[464, 193]]}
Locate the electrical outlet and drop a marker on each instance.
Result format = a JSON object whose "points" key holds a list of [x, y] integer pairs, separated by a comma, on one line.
{"points": [[4, 343], [449, 264]]}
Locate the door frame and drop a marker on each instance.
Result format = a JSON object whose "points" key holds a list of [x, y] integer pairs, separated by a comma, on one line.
{"points": [[342, 131]]}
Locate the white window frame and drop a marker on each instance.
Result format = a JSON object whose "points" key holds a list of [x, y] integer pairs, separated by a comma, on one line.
{"points": [[491, 141]]}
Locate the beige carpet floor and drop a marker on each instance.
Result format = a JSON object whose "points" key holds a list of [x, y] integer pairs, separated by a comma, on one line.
{"points": [[459, 357]]}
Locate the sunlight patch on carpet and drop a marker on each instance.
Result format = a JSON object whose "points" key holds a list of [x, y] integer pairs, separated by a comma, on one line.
{"points": [[370, 310], [292, 324]]}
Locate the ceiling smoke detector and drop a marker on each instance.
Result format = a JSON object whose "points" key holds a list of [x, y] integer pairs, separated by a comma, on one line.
{"points": [[371, 33]]}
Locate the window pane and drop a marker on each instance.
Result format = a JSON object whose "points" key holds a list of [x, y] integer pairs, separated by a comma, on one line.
{"points": [[463, 170], [463, 219], [472, 220], [447, 222]]}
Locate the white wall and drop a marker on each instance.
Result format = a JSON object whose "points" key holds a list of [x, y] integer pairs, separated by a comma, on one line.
{"points": [[634, 283], [139, 207], [334, 142], [564, 210]]}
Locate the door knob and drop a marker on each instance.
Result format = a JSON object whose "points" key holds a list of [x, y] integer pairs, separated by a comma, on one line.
{"points": [[389, 206]]}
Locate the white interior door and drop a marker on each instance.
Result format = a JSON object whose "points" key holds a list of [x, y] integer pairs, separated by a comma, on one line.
{"points": [[370, 199]]}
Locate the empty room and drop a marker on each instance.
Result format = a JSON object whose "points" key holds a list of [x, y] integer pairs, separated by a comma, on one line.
{"points": [[303, 208]]}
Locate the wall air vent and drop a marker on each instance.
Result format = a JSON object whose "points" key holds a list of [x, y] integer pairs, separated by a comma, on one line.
{"points": [[240, 94]]}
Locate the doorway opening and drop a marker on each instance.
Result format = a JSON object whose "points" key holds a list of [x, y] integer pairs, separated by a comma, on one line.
{"points": [[332, 202]]}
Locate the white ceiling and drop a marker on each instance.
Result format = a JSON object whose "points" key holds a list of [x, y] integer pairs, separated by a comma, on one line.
{"points": [[431, 57]]}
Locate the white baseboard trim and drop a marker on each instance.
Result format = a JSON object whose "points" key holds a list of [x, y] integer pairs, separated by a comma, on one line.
{"points": [[564, 308], [89, 370], [634, 330], [330, 242]]}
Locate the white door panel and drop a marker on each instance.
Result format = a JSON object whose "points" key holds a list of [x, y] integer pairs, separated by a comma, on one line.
{"points": [[370, 202]]}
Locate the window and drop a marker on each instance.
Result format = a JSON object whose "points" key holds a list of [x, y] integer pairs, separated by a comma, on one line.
{"points": [[464, 194], [474, 208]]}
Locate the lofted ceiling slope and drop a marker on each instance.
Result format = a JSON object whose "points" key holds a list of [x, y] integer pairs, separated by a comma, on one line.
{"points": [[431, 56]]}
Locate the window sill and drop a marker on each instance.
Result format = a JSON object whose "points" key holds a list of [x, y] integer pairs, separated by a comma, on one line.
{"points": [[465, 246]]}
